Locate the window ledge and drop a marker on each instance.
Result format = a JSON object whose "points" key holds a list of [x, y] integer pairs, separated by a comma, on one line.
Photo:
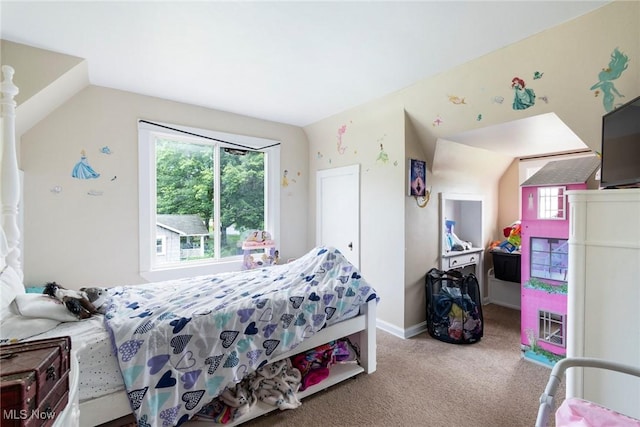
{"points": [[180, 272]]}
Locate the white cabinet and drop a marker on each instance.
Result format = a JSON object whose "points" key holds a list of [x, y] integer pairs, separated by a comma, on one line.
{"points": [[604, 294], [464, 258], [462, 214], [502, 292]]}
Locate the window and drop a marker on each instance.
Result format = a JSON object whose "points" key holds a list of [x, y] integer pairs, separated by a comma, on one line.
{"points": [[551, 203], [549, 258], [551, 328], [160, 245], [199, 191]]}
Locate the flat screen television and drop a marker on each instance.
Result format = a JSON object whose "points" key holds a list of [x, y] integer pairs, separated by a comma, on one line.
{"points": [[620, 162]]}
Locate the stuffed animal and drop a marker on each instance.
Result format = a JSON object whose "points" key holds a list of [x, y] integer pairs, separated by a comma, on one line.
{"points": [[98, 297], [77, 302]]}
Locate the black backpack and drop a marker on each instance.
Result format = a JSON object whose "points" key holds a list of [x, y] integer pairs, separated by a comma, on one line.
{"points": [[454, 308]]}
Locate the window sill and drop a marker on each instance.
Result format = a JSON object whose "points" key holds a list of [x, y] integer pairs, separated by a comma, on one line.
{"points": [[179, 272]]}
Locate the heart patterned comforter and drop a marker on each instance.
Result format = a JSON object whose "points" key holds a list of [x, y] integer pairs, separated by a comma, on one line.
{"points": [[180, 343]]}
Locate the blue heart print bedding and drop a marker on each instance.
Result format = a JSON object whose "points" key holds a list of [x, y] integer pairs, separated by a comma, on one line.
{"points": [[180, 343]]}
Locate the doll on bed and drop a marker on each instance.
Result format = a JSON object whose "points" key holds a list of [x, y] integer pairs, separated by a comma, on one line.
{"points": [[83, 303]]}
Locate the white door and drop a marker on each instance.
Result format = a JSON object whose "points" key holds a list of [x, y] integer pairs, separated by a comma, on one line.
{"points": [[338, 210]]}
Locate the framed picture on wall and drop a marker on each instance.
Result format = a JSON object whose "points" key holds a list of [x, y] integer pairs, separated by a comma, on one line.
{"points": [[417, 178]]}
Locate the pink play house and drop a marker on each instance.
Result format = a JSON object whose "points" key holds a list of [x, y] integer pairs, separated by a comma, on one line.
{"points": [[545, 255]]}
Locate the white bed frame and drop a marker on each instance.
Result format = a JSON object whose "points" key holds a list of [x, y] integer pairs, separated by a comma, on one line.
{"points": [[361, 329]]}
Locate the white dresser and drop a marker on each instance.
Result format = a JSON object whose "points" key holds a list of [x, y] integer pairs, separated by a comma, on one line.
{"points": [[466, 211], [604, 294]]}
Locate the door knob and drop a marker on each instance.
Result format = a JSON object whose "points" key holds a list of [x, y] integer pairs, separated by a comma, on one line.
{"points": [[350, 245]]}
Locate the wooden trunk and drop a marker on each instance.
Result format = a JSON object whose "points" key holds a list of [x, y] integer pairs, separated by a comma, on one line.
{"points": [[34, 381]]}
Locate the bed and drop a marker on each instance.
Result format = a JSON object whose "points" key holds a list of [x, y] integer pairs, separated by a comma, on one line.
{"points": [[579, 412], [164, 350]]}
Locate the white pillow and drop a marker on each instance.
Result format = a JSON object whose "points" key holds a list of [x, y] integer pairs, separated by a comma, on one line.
{"points": [[44, 307], [10, 286], [16, 328]]}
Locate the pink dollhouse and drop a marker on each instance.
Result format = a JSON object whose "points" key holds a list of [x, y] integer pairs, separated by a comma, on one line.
{"points": [[545, 255]]}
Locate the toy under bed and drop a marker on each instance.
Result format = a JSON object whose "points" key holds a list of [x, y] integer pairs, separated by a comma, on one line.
{"points": [[575, 412]]}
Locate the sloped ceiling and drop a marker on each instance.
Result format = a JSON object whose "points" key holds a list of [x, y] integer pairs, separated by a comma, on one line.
{"points": [[53, 79], [532, 136], [290, 62]]}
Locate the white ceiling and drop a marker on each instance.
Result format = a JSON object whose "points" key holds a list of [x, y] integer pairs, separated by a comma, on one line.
{"points": [[532, 136], [291, 62]]}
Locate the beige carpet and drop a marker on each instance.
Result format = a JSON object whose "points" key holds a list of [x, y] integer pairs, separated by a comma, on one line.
{"points": [[425, 382]]}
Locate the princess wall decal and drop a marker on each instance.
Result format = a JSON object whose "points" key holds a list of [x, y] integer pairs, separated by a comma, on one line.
{"points": [[82, 170]]}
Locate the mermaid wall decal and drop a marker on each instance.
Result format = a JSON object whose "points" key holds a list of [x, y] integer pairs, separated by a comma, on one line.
{"points": [[619, 62], [523, 97]]}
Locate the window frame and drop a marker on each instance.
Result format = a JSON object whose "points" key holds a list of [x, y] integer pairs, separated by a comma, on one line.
{"points": [[549, 266], [147, 134], [545, 202], [163, 245], [552, 328]]}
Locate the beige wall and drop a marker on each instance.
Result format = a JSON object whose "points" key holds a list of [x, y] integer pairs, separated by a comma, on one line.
{"points": [[38, 67], [420, 222], [382, 185], [78, 239], [509, 207], [45, 79], [569, 56]]}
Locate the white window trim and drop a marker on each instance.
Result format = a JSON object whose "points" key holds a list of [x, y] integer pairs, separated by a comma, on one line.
{"points": [[544, 199], [146, 200]]}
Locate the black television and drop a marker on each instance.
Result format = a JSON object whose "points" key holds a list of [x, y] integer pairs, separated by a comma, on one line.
{"points": [[620, 152]]}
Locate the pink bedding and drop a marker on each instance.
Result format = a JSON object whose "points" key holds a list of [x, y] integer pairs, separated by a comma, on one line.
{"points": [[576, 412]]}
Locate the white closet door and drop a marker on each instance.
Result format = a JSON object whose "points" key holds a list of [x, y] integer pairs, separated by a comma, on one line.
{"points": [[338, 210]]}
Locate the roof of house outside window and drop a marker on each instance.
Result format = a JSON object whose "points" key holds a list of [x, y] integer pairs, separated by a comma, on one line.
{"points": [[185, 225]]}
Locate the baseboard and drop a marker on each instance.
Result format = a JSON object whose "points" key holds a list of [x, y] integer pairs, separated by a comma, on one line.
{"points": [[415, 330], [402, 333], [503, 304]]}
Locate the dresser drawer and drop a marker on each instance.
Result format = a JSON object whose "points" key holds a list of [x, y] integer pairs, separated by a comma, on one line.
{"points": [[461, 260]]}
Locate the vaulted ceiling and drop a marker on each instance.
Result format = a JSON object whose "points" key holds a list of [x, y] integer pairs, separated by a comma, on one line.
{"points": [[291, 62]]}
